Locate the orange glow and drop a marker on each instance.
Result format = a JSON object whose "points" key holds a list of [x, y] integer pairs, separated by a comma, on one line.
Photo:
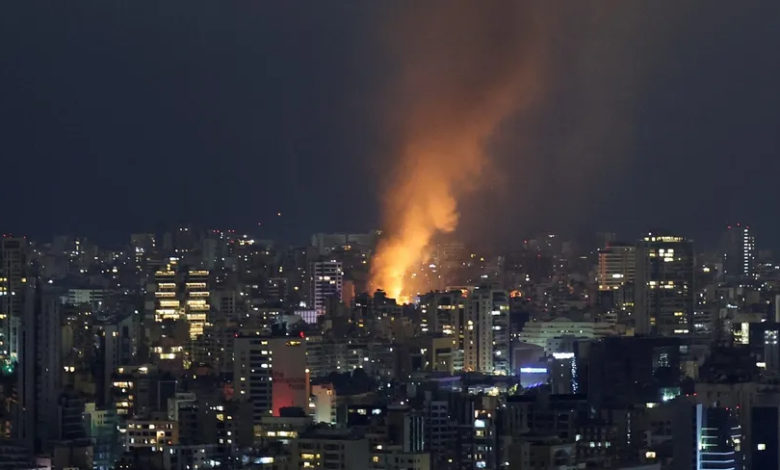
{"points": [[465, 69]]}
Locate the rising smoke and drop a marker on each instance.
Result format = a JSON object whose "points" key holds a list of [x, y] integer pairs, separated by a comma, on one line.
{"points": [[564, 81], [465, 66]]}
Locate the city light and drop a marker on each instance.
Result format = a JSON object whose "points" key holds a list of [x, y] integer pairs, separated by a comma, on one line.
{"points": [[561, 356]]}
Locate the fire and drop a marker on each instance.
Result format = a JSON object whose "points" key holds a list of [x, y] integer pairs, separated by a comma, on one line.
{"points": [[424, 205], [465, 69]]}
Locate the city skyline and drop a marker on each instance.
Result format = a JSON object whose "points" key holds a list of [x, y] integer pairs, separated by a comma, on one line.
{"points": [[398, 235]]}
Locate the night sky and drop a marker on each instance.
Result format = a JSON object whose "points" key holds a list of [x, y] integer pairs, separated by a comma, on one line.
{"points": [[133, 116]]}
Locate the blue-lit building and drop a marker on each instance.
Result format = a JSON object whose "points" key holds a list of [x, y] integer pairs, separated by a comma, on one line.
{"points": [[535, 375], [708, 438]]}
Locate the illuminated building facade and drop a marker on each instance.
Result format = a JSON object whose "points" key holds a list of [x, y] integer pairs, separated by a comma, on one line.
{"points": [[543, 333], [326, 282], [131, 389], [443, 312], [13, 278], [151, 434], [141, 244], [324, 401], [118, 343], [181, 294], [664, 291], [196, 294], [486, 332], [166, 304], [102, 426], [739, 253], [169, 356], [617, 266], [290, 374], [272, 373], [563, 373], [479, 440], [708, 437]]}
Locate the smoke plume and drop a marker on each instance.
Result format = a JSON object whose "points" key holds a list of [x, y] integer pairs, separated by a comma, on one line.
{"points": [[465, 66]]}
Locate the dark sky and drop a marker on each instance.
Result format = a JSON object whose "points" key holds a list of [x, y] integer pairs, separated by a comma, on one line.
{"points": [[129, 116]]}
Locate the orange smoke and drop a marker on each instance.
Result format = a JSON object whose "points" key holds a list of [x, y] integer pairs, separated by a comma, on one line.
{"points": [[465, 66]]}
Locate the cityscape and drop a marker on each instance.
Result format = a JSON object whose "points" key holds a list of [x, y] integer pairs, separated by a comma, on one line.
{"points": [[389, 235], [213, 349]]}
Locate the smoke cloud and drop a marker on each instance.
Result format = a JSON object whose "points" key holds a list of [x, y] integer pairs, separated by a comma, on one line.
{"points": [[465, 66]]}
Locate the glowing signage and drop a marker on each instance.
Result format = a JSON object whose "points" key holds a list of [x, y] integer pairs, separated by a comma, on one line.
{"points": [[566, 355], [533, 370]]}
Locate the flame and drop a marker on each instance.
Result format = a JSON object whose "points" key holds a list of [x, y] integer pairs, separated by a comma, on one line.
{"points": [[466, 67]]}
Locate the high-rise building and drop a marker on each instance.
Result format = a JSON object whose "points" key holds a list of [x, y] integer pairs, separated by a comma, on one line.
{"points": [[443, 312], [563, 372], [764, 433], [196, 291], [118, 345], [739, 253], [226, 299], [13, 288], [664, 291], [486, 332], [141, 245], [707, 437], [295, 266], [71, 416], [617, 266], [163, 289], [102, 426], [39, 379], [272, 373], [326, 283], [177, 293]]}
